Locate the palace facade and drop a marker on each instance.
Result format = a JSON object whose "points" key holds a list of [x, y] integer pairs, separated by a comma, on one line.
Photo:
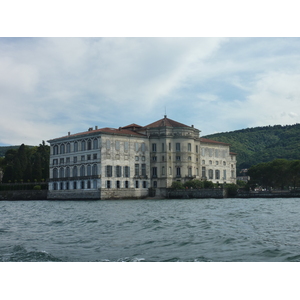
{"points": [[111, 163]]}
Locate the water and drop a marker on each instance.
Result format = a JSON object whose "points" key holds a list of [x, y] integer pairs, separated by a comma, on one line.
{"points": [[189, 230]]}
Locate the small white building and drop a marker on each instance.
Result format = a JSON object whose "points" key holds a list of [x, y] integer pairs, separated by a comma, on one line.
{"points": [[111, 163]]}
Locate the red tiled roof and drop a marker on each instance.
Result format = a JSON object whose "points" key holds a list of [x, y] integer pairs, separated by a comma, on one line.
{"points": [[166, 122], [132, 126], [104, 130], [204, 140]]}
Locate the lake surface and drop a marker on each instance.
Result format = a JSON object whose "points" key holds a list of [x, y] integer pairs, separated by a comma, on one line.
{"points": [[188, 230]]}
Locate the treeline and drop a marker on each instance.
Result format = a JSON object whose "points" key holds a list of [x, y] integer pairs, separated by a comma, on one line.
{"points": [[277, 174], [26, 164], [262, 144]]}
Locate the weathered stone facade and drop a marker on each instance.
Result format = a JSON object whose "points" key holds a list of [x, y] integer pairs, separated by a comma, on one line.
{"points": [[112, 163]]}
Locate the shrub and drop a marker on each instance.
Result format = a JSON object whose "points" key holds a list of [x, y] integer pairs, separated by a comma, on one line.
{"points": [[37, 187]]}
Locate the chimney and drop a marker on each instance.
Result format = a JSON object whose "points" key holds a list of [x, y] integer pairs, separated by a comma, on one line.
{"points": [[96, 127], [69, 133]]}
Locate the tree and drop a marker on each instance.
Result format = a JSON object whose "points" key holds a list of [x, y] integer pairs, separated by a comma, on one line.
{"points": [[177, 185]]}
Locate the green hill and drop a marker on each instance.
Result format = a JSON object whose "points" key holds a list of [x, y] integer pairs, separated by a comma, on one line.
{"points": [[3, 149], [262, 144]]}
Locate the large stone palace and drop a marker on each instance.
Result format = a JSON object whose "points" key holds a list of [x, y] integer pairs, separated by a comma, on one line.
{"points": [[125, 162]]}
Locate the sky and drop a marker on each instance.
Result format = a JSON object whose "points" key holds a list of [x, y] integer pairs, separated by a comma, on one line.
{"points": [[50, 86]]}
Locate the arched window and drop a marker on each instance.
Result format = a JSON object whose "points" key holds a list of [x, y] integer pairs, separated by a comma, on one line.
{"points": [[89, 170], [75, 171], [95, 143], [67, 172], [217, 174], [75, 146], [55, 186], [83, 146], [61, 173], [55, 173], [55, 150], [210, 174], [82, 185], [82, 171], [95, 170], [89, 145], [89, 184], [62, 148], [68, 148]]}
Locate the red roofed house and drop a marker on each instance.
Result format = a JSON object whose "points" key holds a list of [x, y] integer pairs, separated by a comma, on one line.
{"points": [[112, 163]]}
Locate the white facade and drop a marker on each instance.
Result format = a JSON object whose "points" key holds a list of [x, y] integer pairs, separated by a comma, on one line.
{"points": [[114, 163]]}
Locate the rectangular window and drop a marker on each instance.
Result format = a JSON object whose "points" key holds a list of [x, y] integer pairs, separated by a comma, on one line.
{"points": [[126, 171], [163, 158], [154, 147], [143, 169], [189, 171], [68, 160], [203, 172], [144, 184], [61, 161], [197, 149], [118, 171], [126, 146], [224, 174], [89, 145], [82, 157], [136, 170], [126, 184], [143, 147], [143, 158], [163, 147], [177, 147], [108, 184], [136, 184], [55, 161], [178, 172], [89, 157], [170, 147], [177, 158], [136, 147], [118, 184], [108, 171], [154, 172], [107, 144], [136, 158], [95, 156], [75, 159], [162, 170], [189, 147], [117, 145], [154, 158]]}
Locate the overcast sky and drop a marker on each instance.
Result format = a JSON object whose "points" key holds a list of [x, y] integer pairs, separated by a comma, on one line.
{"points": [[49, 86]]}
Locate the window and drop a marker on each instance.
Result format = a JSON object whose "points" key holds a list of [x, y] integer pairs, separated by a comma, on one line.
{"points": [[136, 147], [136, 158], [89, 157], [55, 173], [154, 172], [189, 147], [68, 160], [177, 158], [224, 174], [155, 184], [178, 172], [170, 171], [107, 144], [210, 162], [144, 184], [126, 171], [82, 157], [108, 184], [232, 174], [67, 185], [197, 171], [61, 186], [75, 147], [89, 145], [189, 171], [189, 158], [143, 158], [203, 162], [136, 184], [74, 185], [95, 144], [118, 171], [143, 147], [68, 148], [83, 146], [61, 161], [136, 170], [163, 147], [67, 172], [94, 170], [162, 170], [55, 186], [61, 173], [89, 184], [82, 185], [62, 149], [94, 184], [210, 174], [126, 184], [55, 150], [75, 171], [170, 147], [55, 161], [117, 145], [154, 158], [177, 147], [75, 159], [95, 156], [217, 162], [108, 171], [217, 174], [197, 149], [89, 170], [163, 158], [118, 184], [224, 163], [82, 171], [154, 147], [203, 172], [126, 146], [143, 169]]}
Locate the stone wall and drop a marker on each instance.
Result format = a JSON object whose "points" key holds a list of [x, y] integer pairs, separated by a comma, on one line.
{"points": [[196, 193], [74, 195], [24, 195]]}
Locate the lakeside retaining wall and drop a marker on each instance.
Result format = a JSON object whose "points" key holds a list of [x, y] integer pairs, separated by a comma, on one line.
{"points": [[196, 193], [24, 195]]}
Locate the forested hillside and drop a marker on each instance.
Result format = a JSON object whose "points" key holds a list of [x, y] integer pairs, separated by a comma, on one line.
{"points": [[262, 144]]}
